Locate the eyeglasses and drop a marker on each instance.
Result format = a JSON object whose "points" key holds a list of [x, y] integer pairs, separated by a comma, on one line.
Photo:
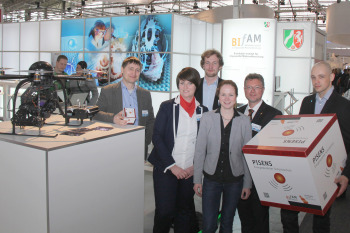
{"points": [[98, 31], [256, 88]]}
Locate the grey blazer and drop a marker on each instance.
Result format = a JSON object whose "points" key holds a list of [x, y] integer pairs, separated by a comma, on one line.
{"points": [[110, 102], [208, 146]]}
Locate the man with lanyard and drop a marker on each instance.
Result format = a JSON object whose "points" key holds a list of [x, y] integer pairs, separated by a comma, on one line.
{"points": [[116, 98], [325, 100], [211, 62], [254, 216]]}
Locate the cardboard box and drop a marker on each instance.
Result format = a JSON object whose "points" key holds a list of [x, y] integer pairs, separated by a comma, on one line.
{"points": [[294, 160]]}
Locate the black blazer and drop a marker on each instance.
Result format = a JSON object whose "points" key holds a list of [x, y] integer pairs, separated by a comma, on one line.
{"points": [[263, 116], [163, 133], [199, 94], [335, 104]]}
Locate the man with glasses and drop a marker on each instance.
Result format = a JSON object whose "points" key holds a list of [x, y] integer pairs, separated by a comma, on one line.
{"points": [[254, 216], [212, 62]]}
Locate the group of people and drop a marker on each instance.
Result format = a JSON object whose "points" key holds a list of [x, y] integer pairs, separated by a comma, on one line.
{"points": [[198, 138], [76, 86]]}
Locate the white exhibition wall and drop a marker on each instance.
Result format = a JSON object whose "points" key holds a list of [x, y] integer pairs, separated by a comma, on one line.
{"points": [[249, 47]]}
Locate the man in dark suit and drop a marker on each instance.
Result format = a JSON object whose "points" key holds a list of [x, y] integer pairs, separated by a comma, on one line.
{"points": [[211, 62], [254, 216], [125, 94], [325, 100]]}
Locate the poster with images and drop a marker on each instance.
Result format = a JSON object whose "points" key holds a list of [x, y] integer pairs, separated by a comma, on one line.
{"points": [[72, 35], [100, 63], [73, 59], [96, 36], [124, 34], [155, 75], [155, 33]]}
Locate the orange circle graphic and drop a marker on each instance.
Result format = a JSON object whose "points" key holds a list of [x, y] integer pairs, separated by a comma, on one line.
{"points": [[279, 178], [288, 132], [329, 160]]}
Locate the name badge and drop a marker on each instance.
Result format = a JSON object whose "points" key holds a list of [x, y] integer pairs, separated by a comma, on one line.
{"points": [[144, 113], [256, 127]]}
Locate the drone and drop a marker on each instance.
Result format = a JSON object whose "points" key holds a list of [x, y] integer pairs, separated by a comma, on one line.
{"points": [[40, 99]]}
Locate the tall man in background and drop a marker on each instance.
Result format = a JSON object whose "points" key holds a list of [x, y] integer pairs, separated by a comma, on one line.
{"points": [[211, 62], [254, 216], [126, 94], [325, 100]]}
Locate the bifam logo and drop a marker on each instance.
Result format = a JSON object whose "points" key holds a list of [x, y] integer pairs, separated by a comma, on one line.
{"points": [[267, 24], [293, 39], [247, 39]]}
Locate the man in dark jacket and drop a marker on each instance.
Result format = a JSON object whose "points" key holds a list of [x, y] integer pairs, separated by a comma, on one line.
{"points": [[325, 100], [254, 216]]}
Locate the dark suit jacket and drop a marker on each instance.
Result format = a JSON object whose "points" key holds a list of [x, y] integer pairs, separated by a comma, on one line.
{"points": [[199, 95], [163, 135], [110, 102], [335, 104], [263, 116]]}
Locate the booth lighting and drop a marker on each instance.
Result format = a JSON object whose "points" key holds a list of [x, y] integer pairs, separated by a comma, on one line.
{"points": [[255, 2], [195, 6], [282, 2], [83, 3]]}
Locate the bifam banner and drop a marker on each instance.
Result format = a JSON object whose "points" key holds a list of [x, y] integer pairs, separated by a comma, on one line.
{"points": [[249, 47]]}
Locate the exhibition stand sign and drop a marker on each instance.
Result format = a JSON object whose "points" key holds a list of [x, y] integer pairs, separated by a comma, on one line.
{"points": [[249, 47], [294, 161]]}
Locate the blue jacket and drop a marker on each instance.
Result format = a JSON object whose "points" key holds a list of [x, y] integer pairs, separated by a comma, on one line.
{"points": [[163, 133]]}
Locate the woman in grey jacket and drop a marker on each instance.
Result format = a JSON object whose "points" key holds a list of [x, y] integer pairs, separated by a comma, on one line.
{"points": [[218, 156]]}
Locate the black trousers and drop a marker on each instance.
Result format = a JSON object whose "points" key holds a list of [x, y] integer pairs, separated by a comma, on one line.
{"points": [[174, 203], [254, 216], [289, 218]]}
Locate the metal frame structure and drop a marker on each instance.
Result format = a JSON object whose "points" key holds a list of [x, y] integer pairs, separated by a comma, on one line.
{"points": [[37, 10]]}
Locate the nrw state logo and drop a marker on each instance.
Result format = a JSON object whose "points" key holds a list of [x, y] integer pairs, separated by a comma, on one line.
{"points": [[293, 39]]}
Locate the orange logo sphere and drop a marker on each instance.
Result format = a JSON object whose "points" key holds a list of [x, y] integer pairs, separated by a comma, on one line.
{"points": [[279, 178]]}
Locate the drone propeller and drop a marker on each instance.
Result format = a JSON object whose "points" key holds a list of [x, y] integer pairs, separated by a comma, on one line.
{"points": [[41, 72], [13, 76], [87, 71], [88, 74], [2, 70], [70, 77]]}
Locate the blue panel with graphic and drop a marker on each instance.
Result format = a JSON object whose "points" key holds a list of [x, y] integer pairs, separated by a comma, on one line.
{"points": [[157, 76], [96, 36], [155, 33], [72, 35], [73, 59], [125, 34]]}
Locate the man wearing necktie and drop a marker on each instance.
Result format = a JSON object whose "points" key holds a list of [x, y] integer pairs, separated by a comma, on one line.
{"points": [[255, 217]]}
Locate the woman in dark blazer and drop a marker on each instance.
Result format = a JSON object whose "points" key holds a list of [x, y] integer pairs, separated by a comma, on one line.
{"points": [[174, 139], [219, 158]]}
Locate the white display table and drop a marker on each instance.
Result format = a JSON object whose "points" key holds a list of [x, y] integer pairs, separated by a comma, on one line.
{"points": [[93, 183]]}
